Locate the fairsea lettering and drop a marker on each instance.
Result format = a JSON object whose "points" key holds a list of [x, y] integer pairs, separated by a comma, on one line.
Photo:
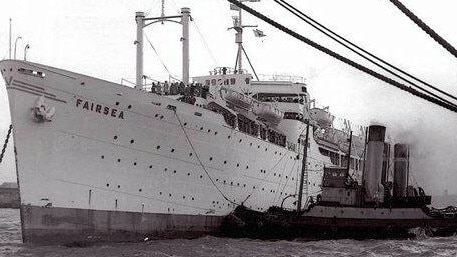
{"points": [[94, 107]]}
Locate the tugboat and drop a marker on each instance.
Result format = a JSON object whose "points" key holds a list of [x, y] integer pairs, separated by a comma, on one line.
{"points": [[375, 208]]}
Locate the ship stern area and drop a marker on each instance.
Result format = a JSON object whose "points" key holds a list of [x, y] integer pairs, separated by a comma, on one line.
{"points": [[38, 102]]}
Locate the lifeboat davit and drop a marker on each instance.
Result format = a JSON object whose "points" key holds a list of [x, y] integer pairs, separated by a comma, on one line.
{"points": [[236, 98], [323, 118], [268, 112]]}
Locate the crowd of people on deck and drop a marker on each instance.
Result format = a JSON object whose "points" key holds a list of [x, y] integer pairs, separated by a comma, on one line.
{"points": [[179, 88]]}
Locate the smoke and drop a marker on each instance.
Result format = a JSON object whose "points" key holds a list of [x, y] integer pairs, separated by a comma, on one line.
{"points": [[432, 143]]}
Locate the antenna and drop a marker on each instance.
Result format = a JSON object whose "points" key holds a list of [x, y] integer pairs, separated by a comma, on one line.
{"points": [[10, 40], [238, 27], [141, 20]]}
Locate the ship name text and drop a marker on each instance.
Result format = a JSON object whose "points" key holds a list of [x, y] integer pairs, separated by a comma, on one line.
{"points": [[91, 106]]}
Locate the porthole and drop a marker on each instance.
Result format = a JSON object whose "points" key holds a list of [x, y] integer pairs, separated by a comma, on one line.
{"points": [[185, 123], [107, 185], [215, 132], [225, 162], [193, 198], [209, 130], [164, 169], [190, 154], [253, 187], [132, 141], [201, 128], [134, 164], [103, 157], [140, 190], [115, 137], [217, 179], [117, 103], [150, 166], [160, 193], [118, 160], [258, 146], [158, 147], [240, 140], [250, 144], [276, 152], [263, 189], [169, 195], [174, 171], [129, 107], [188, 174], [238, 184], [161, 116], [157, 115], [225, 181], [118, 186], [266, 149], [172, 150], [183, 197], [238, 165], [229, 137], [231, 183], [247, 167], [201, 176], [210, 158]]}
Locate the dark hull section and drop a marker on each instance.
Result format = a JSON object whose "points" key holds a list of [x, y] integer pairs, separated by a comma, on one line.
{"points": [[279, 224], [79, 226]]}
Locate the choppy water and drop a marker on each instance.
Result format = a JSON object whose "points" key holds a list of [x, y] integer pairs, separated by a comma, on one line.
{"points": [[10, 245]]}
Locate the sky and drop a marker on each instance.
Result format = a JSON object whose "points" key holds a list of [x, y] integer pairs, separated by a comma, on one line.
{"points": [[96, 38]]}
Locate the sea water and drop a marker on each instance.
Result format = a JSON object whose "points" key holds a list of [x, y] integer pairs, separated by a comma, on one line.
{"points": [[11, 245]]}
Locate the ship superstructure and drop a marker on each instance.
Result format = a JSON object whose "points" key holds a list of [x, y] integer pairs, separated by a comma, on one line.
{"points": [[100, 161]]}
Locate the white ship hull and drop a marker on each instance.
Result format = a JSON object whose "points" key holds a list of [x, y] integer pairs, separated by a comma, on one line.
{"points": [[117, 163]]}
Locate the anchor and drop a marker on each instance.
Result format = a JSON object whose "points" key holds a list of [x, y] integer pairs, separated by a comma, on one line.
{"points": [[42, 112]]}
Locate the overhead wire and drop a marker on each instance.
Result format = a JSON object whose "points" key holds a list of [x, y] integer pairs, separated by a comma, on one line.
{"points": [[345, 60], [440, 40], [349, 45]]}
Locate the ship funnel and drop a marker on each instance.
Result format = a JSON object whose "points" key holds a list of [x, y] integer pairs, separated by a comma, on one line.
{"points": [[400, 170], [385, 164], [373, 172]]}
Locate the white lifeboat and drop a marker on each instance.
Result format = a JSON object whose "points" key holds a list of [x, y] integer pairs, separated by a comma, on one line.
{"points": [[238, 99], [268, 112], [323, 118]]}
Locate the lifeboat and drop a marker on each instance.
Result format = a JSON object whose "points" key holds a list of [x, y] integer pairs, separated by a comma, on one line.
{"points": [[236, 98], [323, 118], [268, 112]]}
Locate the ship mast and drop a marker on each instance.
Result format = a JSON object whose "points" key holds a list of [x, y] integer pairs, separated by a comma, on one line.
{"points": [[238, 27], [303, 169], [182, 19]]}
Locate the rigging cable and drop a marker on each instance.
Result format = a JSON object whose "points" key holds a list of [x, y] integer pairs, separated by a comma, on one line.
{"points": [[315, 24], [341, 58], [6, 142], [158, 56], [200, 162], [425, 27], [204, 42], [249, 61]]}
